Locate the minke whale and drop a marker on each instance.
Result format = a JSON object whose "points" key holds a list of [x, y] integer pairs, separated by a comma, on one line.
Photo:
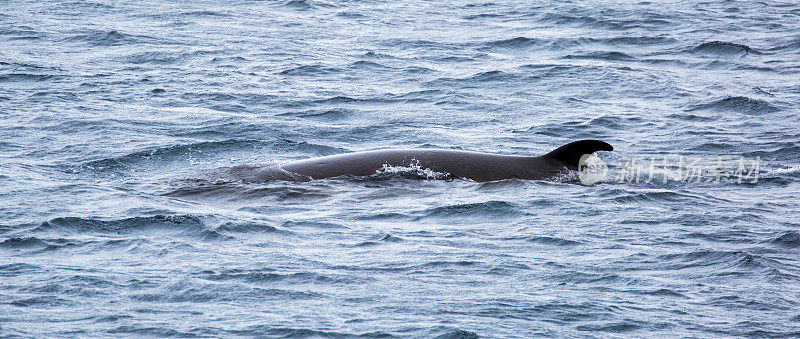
{"points": [[475, 166]]}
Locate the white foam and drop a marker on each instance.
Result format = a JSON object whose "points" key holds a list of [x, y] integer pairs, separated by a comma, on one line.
{"points": [[415, 169]]}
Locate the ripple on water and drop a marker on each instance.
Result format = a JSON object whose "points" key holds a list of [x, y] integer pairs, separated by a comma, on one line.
{"points": [[310, 70], [174, 223], [108, 38], [739, 104], [23, 243], [288, 332], [16, 269], [547, 240], [518, 42], [193, 290], [723, 48], [481, 210], [727, 263], [790, 239], [270, 276], [613, 56]]}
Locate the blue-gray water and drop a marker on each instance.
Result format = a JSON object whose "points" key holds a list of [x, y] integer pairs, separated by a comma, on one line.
{"points": [[118, 216]]}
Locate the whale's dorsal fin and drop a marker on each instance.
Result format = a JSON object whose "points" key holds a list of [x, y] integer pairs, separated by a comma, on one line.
{"points": [[571, 153]]}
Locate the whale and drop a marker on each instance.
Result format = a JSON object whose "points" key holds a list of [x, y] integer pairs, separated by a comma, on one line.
{"points": [[476, 166]]}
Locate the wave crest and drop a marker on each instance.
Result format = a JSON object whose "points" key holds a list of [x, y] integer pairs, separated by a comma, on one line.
{"points": [[738, 104], [724, 48]]}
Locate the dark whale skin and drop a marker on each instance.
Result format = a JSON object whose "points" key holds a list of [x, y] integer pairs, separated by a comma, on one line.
{"points": [[475, 166]]}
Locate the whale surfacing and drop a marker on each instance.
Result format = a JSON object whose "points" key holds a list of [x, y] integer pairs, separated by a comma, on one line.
{"points": [[475, 166]]}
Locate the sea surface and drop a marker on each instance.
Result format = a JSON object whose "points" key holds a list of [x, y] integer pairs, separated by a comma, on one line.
{"points": [[126, 127]]}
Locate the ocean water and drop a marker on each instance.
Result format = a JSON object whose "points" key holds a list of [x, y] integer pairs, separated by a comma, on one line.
{"points": [[125, 127]]}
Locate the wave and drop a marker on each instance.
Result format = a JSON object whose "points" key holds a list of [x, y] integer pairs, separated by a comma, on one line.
{"points": [[367, 65], [595, 128], [390, 238], [152, 331], [653, 196], [246, 98], [777, 150], [61, 96], [86, 5], [561, 44], [510, 184], [697, 219], [616, 56], [428, 95], [724, 262], [247, 182], [269, 276], [483, 16], [339, 100], [692, 117], [738, 104], [578, 277], [790, 170], [247, 227], [546, 240], [108, 38], [306, 4], [299, 4], [385, 216], [723, 48], [793, 45], [508, 269], [373, 55], [185, 152], [715, 147], [381, 239], [317, 149], [420, 44], [634, 40], [167, 153], [20, 32], [729, 236], [487, 76], [175, 223], [201, 291], [490, 76], [487, 209], [447, 263], [653, 21], [351, 15], [458, 334], [661, 292], [309, 70], [26, 243], [613, 327], [15, 269], [46, 301], [21, 77], [790, 239], [206, 13], [406, 267], [154, 57], [287, 193], [518, 42], [288, 332]]}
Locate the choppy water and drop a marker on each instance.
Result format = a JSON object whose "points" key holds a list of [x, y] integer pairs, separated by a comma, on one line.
{"points": [[119, 121]]}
